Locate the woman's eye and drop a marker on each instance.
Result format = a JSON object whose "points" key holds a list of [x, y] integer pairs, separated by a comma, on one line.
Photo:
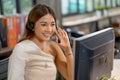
{"points": [[52, 24], [43, 24]]}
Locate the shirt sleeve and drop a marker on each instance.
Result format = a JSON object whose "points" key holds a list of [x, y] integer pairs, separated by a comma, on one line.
{"points": [[17, 63]]}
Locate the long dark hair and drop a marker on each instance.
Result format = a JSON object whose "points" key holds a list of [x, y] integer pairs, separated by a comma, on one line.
{"points": [[35, 14]]}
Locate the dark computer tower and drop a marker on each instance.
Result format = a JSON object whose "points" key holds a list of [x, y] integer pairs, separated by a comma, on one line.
{"points": [[101, 64], [3, 68], [4, 59]]}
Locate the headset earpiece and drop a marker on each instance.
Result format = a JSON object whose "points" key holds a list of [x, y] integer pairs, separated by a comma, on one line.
{"points": [[30, 26]]}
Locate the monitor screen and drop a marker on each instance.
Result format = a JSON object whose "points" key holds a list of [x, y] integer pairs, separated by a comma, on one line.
{"points": [[94, 54]]}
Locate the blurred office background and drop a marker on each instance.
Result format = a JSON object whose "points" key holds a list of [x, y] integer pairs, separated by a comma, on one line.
{"points": [[85, 16]]}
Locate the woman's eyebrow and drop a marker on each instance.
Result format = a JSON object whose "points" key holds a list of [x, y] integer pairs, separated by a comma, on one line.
{"points": [[43, 22], [53, 22], [46, 22]]}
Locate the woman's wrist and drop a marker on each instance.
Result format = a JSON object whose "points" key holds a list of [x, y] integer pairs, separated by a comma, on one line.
{"points": [[69, 53], [67, 49]]}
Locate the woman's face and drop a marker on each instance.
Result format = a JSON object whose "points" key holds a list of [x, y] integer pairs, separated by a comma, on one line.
{"points": [[45, 28]]}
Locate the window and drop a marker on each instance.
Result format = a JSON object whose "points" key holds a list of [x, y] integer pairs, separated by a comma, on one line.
{"points": [[108, 3], [114, 3], [118, 2], [26, 6], [73, 6], [102, 2], [96, 3], [90, 6], [65, 7], [9, 7], [82, 6]]}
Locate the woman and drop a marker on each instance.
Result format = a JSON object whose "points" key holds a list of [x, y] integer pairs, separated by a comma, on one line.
{"points": [[36, 57]]}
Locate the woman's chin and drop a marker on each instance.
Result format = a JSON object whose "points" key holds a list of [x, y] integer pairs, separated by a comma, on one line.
{"points": [[46, 39]]}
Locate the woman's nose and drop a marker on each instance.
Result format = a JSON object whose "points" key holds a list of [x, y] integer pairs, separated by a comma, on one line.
{"points": [[49, 28]]}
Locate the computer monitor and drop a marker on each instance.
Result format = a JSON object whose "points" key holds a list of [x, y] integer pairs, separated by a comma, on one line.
{"points": [[94, 54]]}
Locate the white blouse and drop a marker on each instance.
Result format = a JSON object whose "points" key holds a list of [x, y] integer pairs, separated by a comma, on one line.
{"points": [[29, 62]]}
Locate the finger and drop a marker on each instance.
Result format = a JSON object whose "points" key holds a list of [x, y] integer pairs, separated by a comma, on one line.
{"points": [[57, 34], [65, 33], [61, 34], [60, 31], [56, 39]]}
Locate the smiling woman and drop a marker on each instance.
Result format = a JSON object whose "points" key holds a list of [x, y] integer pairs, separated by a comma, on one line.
{"points": [[36, 57]]}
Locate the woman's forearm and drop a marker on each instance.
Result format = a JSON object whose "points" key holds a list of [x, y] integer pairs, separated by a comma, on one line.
{"points": [[70, 66]]}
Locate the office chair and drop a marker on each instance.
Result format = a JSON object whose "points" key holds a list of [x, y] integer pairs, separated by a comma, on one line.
{"points": [[3, 68]]}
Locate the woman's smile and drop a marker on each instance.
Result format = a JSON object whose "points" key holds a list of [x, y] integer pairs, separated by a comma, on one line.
{"points": [[46, 34]]}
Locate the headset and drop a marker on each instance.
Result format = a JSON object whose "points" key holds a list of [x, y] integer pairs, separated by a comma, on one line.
{"points": [[30, 26]]}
